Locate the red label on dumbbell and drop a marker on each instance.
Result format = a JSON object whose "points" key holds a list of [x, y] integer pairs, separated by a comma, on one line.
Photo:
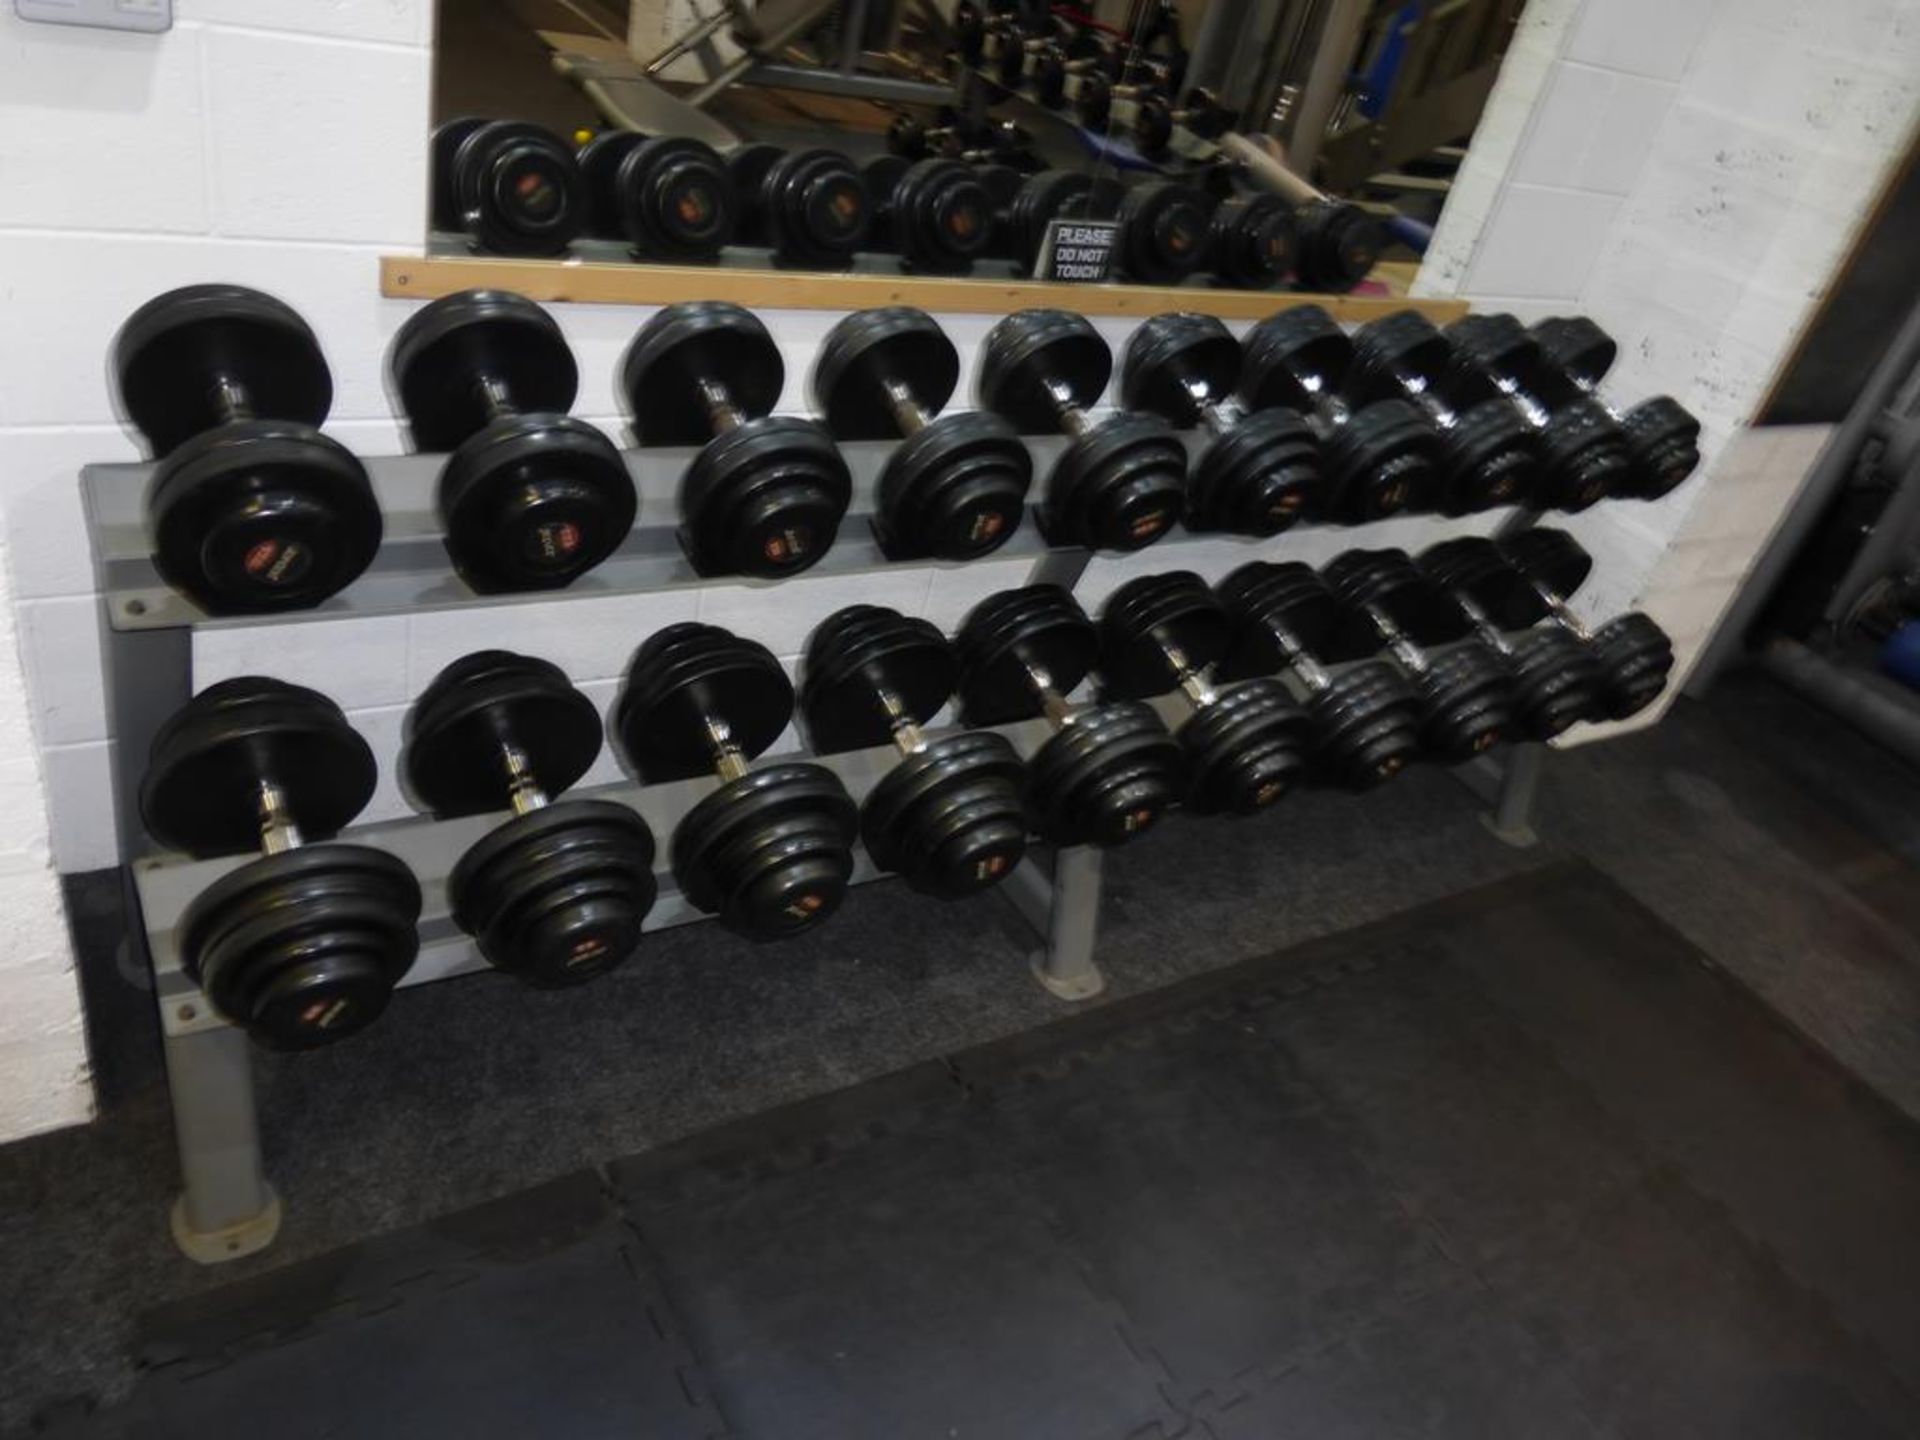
{"points": [[990, 867], [986, 525], [1139, 820], [271, 561], [805, 907], [591, 948], [325, 1014], [787, 545], [1269, 792], [1149, 524], [557, 542]]}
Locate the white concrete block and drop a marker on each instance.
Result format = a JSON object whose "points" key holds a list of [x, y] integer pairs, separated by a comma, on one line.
{"points": [[318, 139], [781, 616], [43, 993], [61, 641], [381, 727], [79, 789], [1623, 132], [1654, 38], [1541, 243], [45, 1084], [25, 847], [355, 663], [1564, 125], [40, 493], [396, 22], [101, 130], [590, 639]]}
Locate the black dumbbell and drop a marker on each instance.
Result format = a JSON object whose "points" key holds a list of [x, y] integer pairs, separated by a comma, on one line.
{"points": [[1363, 720], [251, 508], [1121, 483], [1246, 744], [1110, 769], [1021, 229], [1252, 241], [531, 497], [1489, 453], [669, 196], [766, 492], [1464, 691], [1663, 438], [1380, 457], [770, 851], [304, 945], [1260, 471], [810, 206], [511, 185], [1337, 245], [1583, 450], [1047, 73], [934, 213], [556, 895], [955, 488], [1089, 90], [1541, 568], [951, 817], [1557, 682], [1165, 228]]}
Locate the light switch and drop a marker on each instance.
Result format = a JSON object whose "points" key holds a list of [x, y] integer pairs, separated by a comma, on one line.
{"points": [[148, 15]]}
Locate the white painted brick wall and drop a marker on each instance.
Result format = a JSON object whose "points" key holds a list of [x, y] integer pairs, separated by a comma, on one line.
{"points": [[1690, 173]]}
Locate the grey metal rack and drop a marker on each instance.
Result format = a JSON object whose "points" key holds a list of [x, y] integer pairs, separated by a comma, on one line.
{"points": [[227, 1208]]}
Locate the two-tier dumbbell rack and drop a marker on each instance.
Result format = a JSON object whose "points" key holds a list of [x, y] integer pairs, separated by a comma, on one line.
{"points": [[226, 1207]]}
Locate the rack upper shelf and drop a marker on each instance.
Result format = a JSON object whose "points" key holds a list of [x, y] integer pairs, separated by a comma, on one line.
{"points": [[426, 277]]}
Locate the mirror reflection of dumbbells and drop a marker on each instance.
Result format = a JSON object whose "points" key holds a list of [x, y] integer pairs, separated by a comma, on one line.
{"points": [[1166, 232], [934, 213], [955, 488], [1380, 456], [1110, 770], [1246, 744], [766, 493], [1121, 482], [670, 197], [950, 818], [556, 894], [1524, 581], [1253, 241], [252, 509], [1363, 720], [770, 851], [1587, 453], [1465, 692], [512, 186], [303, 946], [809, 206], [1260, 471], [531, 497]]}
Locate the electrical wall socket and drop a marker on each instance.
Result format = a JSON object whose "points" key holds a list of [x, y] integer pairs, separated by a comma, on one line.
{"points": [[149, 15]]}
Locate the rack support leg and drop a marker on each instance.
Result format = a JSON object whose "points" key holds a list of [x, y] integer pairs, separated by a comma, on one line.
{"points": [[226, 1208], [1066, 910], [1511, 818]]}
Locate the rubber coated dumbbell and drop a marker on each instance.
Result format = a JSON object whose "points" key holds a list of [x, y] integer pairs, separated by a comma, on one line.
{"points": [[1556, 679], [951, 817], [770, 851], [810, 206], [531, 497], [1363, 721], [1252, 240], [766, 492], [956, 486], [669, 196], [1337, 246], [1109, 770], [1021, 229], [1489, 453], [251, 508], [1121, 483], [1246, 744], [512, 186], [1260, 471], [303, 946], [1663, 438], [1527, 578], [934, 213], [556, 895], [1380, 457], [1165, 228], [1464, 691]]}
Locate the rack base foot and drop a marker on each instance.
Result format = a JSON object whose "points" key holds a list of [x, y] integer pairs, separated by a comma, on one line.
{"points": [[229, 1242], [1080, 984]]}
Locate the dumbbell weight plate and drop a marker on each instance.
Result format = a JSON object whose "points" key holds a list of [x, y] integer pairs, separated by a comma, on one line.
{"points": [[1664, 443], [764, 499], [1293, 359], [305, 947], [201, 789], [955, 490], [1289, 592], [1042, 621], [854, 654], [599, 161], [747, 167], [680, 349], [1337, 246], [1120, 486], [261, 515], [677, 201], [1635, 657], [817, 208], [1258, 478], [1466, 701], [950, 819], [1169, 353], [1384, 460], [1420, 607], [1584, 457], [1475, 567], [1045, 197], [1145, 619], [1492, 457], [441, 349], [517, 189], [769, 852], [1365, 726], [1556, 681], [681, 675], [942, 216], [452, 760], [869, 348], [1246, 749], [1107, 777], [1551, 557], [1164, 229], [882, 175], [1029, 347], [1253, 241], [557, 895], [443, 204], [1578, 346]]}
